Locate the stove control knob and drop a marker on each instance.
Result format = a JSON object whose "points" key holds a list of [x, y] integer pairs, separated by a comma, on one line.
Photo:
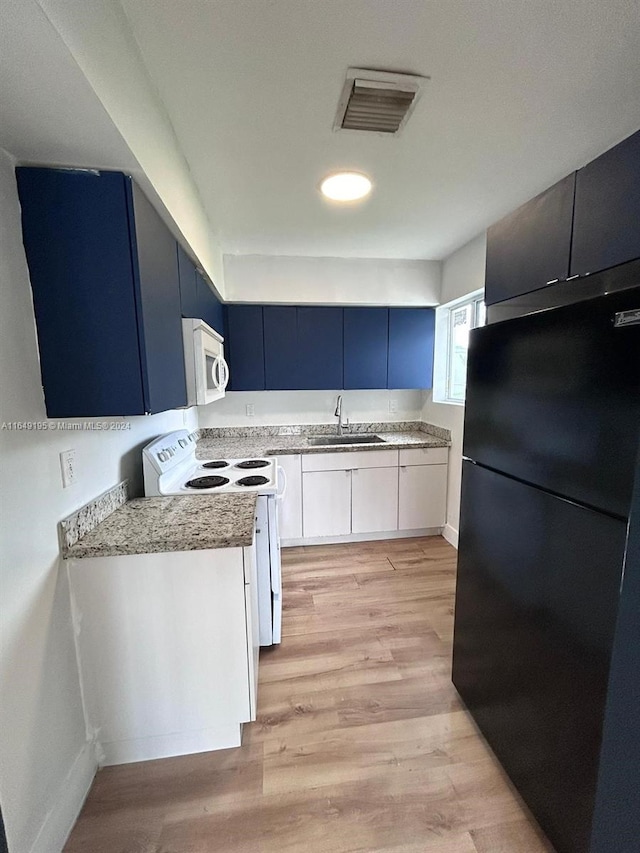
{"points": [[182, 442], [169, 452], [162, 456]]}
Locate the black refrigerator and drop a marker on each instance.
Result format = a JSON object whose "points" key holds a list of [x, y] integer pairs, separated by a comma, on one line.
{"points": [[552, 428]]}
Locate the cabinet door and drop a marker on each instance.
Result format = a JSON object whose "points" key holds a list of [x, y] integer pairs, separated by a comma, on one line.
{"points": [[326, 503], [320, 349], [160, 316], [411, 336], [281, 354], [374, 500], [149, 619], [422, 498], [606, 227], [78, 246], [530, 247], [211, 310], [290, 507], [244, 347], [366, 343], [188, 288]]}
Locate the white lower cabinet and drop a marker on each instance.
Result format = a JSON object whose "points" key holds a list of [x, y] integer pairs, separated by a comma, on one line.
{"points": [[422, 496], [374, 500], [326, 503], [167, 648], [370, 492]]}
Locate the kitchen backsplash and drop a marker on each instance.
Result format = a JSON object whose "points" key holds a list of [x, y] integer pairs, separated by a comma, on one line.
{"points": [[310, 407]]}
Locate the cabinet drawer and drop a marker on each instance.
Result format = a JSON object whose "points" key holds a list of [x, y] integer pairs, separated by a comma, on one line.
{"points": [[349, 459], [424, 456]]}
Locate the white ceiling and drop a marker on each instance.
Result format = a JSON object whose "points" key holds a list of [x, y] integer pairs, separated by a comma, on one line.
{"points": [[521, 93]]}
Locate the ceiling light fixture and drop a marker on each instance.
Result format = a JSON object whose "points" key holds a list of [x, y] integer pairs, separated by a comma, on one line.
{"points": [[346, 186]]}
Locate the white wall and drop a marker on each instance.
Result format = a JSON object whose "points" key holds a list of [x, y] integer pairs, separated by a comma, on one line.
{"points": [[462, 273], [341, 281], [45, 763], [309, 407]]}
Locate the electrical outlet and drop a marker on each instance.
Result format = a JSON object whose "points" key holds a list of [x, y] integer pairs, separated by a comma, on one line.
{"points": [[68, 467], [250, 410], [393, 406]]}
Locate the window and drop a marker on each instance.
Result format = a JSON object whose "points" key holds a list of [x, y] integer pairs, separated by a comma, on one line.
{"points": [[454, 321]]}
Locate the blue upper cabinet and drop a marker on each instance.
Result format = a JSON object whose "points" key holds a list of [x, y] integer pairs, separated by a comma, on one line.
{"points": [[307, 347], [197, 299], [606, 223], [104, 275], [188, 286], [244, 347], [366, 338], [281, 355], [155, 267], [320, 348], [211, 310], [302, 348], [411, 338]]}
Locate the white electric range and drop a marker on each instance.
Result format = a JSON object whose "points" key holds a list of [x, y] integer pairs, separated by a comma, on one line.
{"points": [[170, 468]]}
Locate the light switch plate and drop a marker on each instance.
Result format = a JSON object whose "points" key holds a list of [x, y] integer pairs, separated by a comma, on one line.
{"points": [[68, 467], [393, 406], [250, 410]]}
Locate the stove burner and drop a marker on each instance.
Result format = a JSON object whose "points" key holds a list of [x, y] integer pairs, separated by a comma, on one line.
{"points": [[207, 482], [218, 463], [252, 481], [253, 463]]}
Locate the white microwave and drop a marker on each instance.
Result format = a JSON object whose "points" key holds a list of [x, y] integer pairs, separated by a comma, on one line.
{"points": [[207, 372]]}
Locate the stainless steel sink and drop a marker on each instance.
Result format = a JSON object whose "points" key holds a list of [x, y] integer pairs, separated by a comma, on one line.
{"points": [[358, 438]]}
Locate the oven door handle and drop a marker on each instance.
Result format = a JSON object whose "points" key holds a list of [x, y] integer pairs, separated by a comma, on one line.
{"points": [[281, 477]]}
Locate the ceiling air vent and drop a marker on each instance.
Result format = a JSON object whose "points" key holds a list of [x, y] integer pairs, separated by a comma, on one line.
{"points": [[377, 101]]}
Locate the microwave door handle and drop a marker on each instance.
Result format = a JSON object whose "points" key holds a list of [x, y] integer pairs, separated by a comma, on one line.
{"points": [[220, 373], [224, 367]]}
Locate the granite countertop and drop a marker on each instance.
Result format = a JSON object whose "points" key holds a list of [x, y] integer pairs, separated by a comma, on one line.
{"points": [[155, 525], [237, 447]]}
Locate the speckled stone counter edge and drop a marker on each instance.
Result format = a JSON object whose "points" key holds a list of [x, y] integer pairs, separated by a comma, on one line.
{"points": [[89, 516], [233, 432], [169, 524]]}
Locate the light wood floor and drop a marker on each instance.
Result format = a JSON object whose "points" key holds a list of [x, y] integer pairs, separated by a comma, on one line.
{"points": [[361, 743]]}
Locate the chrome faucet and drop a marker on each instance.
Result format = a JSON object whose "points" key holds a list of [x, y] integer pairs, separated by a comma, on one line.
{"points": [[338, 413]]}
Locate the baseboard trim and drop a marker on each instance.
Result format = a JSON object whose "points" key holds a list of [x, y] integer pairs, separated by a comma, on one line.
{"points": [[361, 537], [451, 535], [166, 746], [72, 793]]}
